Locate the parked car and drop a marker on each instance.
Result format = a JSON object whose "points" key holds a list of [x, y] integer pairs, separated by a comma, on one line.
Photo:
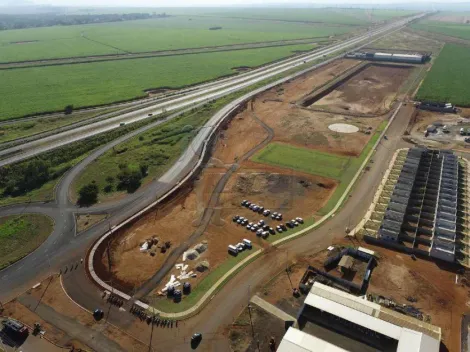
{"points": [[279, 229], [196, 340], [290, 225], [271, 231], [300, 220], [467, 140], [243, 203], [266, 212], [235, 218]]}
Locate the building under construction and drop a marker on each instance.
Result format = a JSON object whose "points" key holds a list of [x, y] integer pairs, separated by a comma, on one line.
{"points": [[421, 216]]}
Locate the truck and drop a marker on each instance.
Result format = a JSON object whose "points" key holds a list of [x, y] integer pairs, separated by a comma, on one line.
{"points": [[465, 131]]}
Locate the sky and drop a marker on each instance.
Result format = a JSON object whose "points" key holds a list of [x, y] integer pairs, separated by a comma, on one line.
{"points": [[173, 3]]}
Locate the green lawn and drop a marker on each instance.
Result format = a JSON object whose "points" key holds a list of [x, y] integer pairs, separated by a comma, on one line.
{"points": [[446, 28], [303, 159], [22, 234], [168, 306], [449, 76], [340, 168], [39, 89], [149, 35]]}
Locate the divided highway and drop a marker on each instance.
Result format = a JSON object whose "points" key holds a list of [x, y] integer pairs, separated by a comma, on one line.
{"points": [[64, 247], [188, 97]]}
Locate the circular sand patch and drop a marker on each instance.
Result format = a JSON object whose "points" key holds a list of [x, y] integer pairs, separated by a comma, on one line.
{"points": [[343, 128]]}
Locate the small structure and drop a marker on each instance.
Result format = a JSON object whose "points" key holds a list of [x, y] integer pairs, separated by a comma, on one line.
{"points": [[346, 264]]}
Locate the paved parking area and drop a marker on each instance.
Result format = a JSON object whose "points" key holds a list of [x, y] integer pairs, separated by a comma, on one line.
{"points": [[31, 344]]}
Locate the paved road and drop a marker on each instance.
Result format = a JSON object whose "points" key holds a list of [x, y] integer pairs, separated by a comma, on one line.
{"points": [[63, 247], [208, 92]]}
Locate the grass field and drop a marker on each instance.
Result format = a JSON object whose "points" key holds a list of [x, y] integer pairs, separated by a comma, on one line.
{"points": [[22, 234], [149, 35], [302, 159], [447, 28], [319, 163], [90, 84], [158, 148], [449, 76]]}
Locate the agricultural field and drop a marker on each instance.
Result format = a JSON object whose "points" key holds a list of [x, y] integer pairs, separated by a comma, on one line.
{"points": [[22, 234], [408, 40], [88, 84], [451, 29], [447, 80], [149, 35]]}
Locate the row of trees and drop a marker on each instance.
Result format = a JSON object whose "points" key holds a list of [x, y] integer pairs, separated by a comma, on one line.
{"points": [[8, 21]]}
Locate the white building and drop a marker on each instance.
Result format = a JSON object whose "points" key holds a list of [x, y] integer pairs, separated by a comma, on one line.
{"points": [[362, 320]]}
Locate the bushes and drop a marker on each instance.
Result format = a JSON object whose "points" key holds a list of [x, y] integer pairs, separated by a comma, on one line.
{"points": [[88, 194]]}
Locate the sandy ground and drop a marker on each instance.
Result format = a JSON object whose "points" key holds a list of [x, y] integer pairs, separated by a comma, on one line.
{"points": [[369, 92]]}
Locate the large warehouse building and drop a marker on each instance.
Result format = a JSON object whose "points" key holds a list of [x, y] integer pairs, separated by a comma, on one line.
{"points": [[422, 212], [350, 323], [390, 57]]}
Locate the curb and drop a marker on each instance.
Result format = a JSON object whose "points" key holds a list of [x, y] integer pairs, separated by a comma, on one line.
{"points": [[238, 102]]}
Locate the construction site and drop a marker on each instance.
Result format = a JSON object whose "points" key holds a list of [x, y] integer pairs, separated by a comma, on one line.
{"points": [[195, 227]]}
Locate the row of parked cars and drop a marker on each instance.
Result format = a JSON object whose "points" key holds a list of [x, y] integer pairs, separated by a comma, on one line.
{"points": [[261, 210], [264, 230]]}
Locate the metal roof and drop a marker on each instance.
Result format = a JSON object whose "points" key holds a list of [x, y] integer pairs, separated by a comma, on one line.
{"points": [[372, 316], [297, 341]]}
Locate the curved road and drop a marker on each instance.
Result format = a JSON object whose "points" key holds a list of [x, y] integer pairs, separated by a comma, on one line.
{"points": [[207, 91]]}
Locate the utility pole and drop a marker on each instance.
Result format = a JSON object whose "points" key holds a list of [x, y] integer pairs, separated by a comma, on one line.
{"points": [[151, 331], [287, 270], [252, 328]]}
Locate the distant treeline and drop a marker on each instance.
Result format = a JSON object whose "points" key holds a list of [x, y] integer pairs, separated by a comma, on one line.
{"points": [[47, 20]]}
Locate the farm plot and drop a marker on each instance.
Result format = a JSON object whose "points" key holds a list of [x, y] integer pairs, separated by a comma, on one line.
{"points": [[149, 35], [370, 91], [446, 28], [447, 80], [34, 90]]}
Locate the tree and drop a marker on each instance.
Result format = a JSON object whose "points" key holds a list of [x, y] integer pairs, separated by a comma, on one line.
{"points": [[68, 109], [88, 194], [129, 180]]}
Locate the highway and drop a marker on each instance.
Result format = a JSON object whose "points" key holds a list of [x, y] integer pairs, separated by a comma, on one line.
{"points": [[64, 247], [205, 92]]}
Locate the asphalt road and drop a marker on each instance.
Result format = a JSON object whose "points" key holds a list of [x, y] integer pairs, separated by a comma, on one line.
{"points": [[64, 248], [205, 92]]}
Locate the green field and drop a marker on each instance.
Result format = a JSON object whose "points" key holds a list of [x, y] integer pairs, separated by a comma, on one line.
{"points": [[40, 89], [336, 167], [302, 159], [22, 234], [149, 35], [446, 28], [449, 76]]}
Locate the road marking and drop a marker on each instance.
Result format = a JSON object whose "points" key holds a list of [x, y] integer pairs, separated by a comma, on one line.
{"points": [[4, 277]]}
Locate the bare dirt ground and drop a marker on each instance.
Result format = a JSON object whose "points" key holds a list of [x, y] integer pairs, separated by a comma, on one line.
{"points": [[293, 193], [265, 327], [440, 139], [397, 276], [52, 295], [370, 92]]}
